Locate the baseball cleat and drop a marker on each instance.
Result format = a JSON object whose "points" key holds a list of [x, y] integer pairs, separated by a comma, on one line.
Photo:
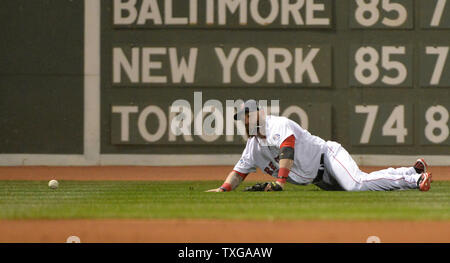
{"points": [[421, 166], [424, 182]]}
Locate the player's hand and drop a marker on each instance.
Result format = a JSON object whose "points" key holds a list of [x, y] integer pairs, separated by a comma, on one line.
{"points": [[215, 190], [273, 186], [266, 187]]}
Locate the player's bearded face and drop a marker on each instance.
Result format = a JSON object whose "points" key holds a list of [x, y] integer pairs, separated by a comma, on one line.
{"points": [[252, 124]]}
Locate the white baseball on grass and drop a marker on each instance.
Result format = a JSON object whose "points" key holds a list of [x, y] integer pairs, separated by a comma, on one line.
{"points": [[53, 184]]}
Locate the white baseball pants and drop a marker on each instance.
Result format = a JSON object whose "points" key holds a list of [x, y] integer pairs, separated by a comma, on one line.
{"points": [[343, 169]]}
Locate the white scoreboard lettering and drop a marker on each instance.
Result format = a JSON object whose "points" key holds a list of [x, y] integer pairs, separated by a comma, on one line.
{"points": [[223, 13], [300, 66]]}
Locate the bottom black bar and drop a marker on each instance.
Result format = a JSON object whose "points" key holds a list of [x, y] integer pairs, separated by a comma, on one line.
{"points": [[224, 252]]}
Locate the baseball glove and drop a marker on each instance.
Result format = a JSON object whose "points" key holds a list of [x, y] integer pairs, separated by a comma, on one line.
{"points": [[260, 187]]}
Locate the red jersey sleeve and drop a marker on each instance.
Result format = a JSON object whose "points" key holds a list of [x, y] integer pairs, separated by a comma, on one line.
{"points": [[289, 142]]}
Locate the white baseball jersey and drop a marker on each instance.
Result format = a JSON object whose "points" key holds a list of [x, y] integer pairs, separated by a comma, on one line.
{"points": [[264, 153]]}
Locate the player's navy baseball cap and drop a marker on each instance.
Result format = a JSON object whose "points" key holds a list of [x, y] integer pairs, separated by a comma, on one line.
{"points": [[248, 106]]}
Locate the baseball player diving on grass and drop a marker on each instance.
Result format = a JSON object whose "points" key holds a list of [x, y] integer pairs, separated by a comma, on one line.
{"points": [[286, 151]]}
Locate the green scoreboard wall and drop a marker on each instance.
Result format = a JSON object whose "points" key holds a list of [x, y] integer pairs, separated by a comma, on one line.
{"points": [[41, 77], [373, 75]]}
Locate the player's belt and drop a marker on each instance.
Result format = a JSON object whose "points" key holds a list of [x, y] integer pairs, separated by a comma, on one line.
{"points": [[320, 172]]}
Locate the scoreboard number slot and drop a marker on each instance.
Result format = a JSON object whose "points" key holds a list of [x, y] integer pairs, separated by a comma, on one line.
{"points": [[393, 126], [438, 11], [381, 13], [372, 8], [436, 128], [367, 71], [441, 54], [434, 14]]}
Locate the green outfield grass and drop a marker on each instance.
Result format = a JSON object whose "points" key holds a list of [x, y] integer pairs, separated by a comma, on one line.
{"points": [[144, 199]]}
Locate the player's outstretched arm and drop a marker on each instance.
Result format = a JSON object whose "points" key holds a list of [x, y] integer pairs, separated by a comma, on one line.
{"points": [[286, 162], [233, 180]]}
